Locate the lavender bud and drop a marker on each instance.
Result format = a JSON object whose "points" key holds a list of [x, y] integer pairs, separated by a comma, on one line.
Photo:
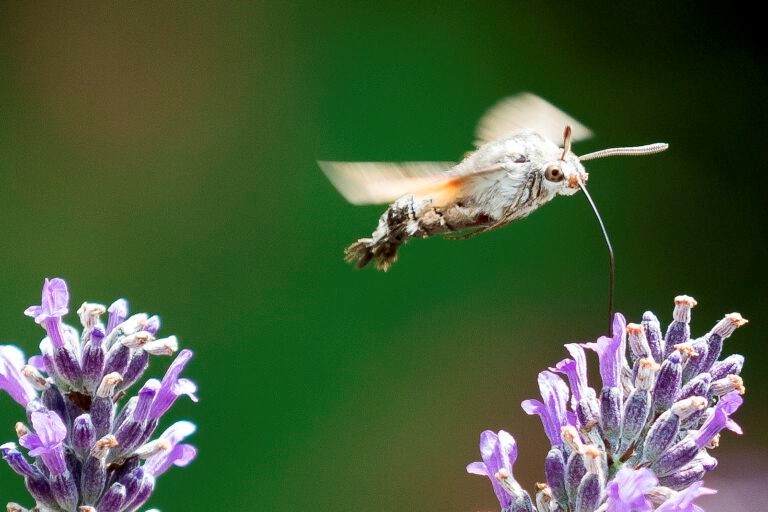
{"points": [[74, 466], [714, 349], [699, 386], [571, 438], [653, 336], [147, 431], [64, 490], [522, 503], [727, 384], [646, 374], [54, 401], [132, 482], [118, 312], [638, 343], [89, 314], [731, 365], [554, 469], [108, 385], [684, 477], [102, 406], [163, 346], [137, 340], [725, 327], [697, 357], [591, 488], [679, 330], [126, 412], [17, 462], [637, 408], [83, 435], [136, 367], [129, 436], [668, 382], [117, 359], [588, 411], [130, 433], [102, 411], [95, 470], [676, 457], [574, 472], [611, 415], [67, 365], [152, 325], [40, 490], [122, 470], [113, 499], [93, 359], [142, 495]]}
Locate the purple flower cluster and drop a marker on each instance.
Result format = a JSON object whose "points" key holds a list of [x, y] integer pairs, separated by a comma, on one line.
{"points": [[642, 441], [92, 449]]}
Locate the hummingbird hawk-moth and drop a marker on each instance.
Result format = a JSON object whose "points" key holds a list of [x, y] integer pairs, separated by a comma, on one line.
{"points": [[516, 168]]}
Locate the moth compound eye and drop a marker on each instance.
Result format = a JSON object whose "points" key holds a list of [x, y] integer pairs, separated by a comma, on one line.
{"points": [[554, 173], [521, 159]]}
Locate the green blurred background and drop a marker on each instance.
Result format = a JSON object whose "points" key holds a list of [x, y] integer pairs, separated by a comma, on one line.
{"points": [[166, 153]]}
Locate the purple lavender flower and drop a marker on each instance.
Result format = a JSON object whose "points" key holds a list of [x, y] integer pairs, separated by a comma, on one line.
{"points": [[47, 443], [644, 444], [92, 451], [552, 410], [627, 490], [499, 452], [11, 379], [683, 501]]}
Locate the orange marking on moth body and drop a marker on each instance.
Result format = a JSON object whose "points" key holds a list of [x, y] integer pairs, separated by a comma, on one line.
{"points": [[443, 192]]}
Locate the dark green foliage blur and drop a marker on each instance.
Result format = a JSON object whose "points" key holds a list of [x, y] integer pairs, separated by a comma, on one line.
{"points": [[166, 154]]}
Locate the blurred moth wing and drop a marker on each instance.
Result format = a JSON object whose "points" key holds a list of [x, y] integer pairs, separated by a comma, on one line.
{"points": [[384, 182], [526, 111]]}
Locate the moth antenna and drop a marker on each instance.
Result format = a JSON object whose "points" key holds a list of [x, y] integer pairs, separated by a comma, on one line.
{"points": [[611, 259], [649, 149], [566, 141]]}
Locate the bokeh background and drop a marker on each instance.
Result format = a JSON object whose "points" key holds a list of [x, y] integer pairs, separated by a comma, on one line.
{"points": [[166, 153]]}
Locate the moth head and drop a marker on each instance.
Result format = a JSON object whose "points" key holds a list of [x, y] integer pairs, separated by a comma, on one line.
{"points": [[563, 172]]}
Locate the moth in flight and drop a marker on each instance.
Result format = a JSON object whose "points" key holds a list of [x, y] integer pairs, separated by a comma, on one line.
{"points": [[516, 168]]}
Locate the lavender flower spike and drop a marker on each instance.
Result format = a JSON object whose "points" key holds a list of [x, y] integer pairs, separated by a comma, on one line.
{"points": [[89, 441], [646, 448]]}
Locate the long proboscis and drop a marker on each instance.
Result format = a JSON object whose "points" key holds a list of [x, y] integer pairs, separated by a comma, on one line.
{"points": [[611, 258], [648, 149]]}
